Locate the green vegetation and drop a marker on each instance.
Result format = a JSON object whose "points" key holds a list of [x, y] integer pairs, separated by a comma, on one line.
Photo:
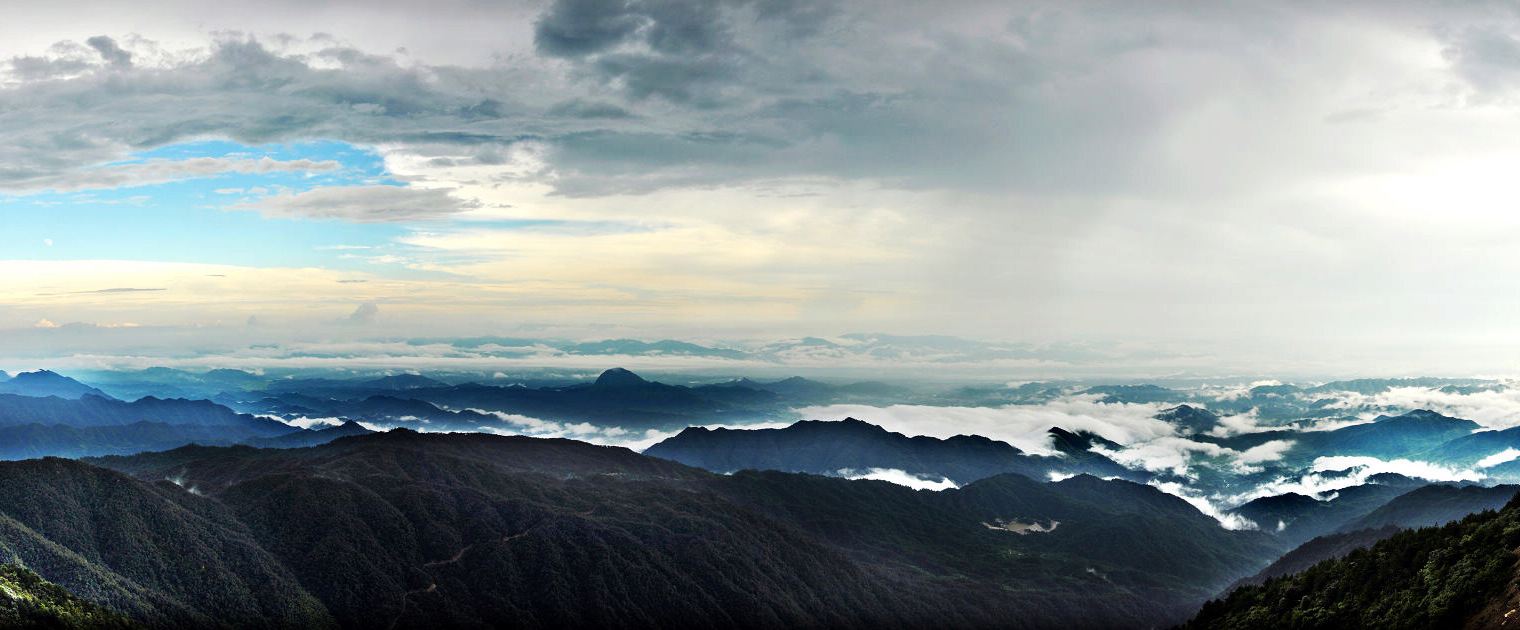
{"points": [[29, 602], [469, 530], [1436, 577]]}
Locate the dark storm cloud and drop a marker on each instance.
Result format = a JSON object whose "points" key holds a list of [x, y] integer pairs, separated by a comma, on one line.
{"points": [[639, 95], [574, 28], [684, 51]]}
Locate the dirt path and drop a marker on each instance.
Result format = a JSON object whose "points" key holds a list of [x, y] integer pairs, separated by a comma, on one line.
{"points": [[407, 596], [467, 548], [405, 599]]}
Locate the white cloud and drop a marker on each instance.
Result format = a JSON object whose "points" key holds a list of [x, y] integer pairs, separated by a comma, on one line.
{"points": [[308, 423], [596, 434], [1325, 477], [1024, 426], [1409, 468], [1173, 455], [899, 477], [1194, 498], [1495, 409], [1506, 455], [1266, 452]]}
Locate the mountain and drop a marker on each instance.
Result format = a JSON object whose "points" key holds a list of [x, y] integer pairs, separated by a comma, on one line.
{"points": [[154, 552], [619, 378], [28, 601], [91, 410], [1435, 505], [302, 439], [1298, 518], [1136, 394], [1320, 549], [1189, 418], [849, 446], [93, 425], [402, 382], [1397, 436], [617, 398], [1410, 435], [1469, 449], [37, 440], [402, 529], [1460, 574], [1079, 442], [171, 383], [4, 376], [795, 388], [43, 383]]}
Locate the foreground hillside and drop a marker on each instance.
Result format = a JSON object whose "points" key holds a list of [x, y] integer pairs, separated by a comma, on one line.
{"points": [[28, 601], [403, 529], [1439, 577]]}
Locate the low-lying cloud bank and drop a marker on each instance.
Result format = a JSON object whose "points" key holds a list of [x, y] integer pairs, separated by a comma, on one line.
{"points": [[1203, 504], [1496, 408], [1024, 426], [899, 477]]}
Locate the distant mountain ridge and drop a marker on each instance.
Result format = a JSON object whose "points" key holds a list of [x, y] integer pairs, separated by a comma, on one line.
{"points": [[92, 425], [405, 530], [829, 447], [45, 383]]}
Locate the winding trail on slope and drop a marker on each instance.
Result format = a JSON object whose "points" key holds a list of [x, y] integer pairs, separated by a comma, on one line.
{"points": [[467, 548], [406, 597]]}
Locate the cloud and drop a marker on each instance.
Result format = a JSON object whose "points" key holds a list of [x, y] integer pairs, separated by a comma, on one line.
{"points": [[1266, 452], [1494, 407], [1327, 475], [159, 171], [573, 28], [365, 313], [122, 290], [941, 161], [362, 204], [577, 108], [308, 423], [1409, 468], [899, 477], [109, 51], [517, 424], [1173, 455], [1196, 499], [1506, 455], [1024, 426]]}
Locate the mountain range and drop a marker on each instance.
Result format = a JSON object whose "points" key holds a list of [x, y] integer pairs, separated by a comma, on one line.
{"points": [[1462, 574], [189, 512], [408, 530], [827, 448]]}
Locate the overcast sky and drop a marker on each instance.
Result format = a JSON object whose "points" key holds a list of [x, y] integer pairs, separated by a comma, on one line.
{"points": [[1270, 184]]}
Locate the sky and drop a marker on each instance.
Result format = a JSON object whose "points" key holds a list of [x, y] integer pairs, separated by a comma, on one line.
{"points": [[1320, 188]]}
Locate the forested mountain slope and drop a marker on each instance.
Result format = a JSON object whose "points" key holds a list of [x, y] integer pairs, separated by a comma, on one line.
{"points": [[1458, 574], [426, 530]]}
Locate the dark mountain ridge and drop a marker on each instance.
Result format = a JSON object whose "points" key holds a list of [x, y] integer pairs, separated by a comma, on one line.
{"points": [[837, 447], [403, 529]]}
